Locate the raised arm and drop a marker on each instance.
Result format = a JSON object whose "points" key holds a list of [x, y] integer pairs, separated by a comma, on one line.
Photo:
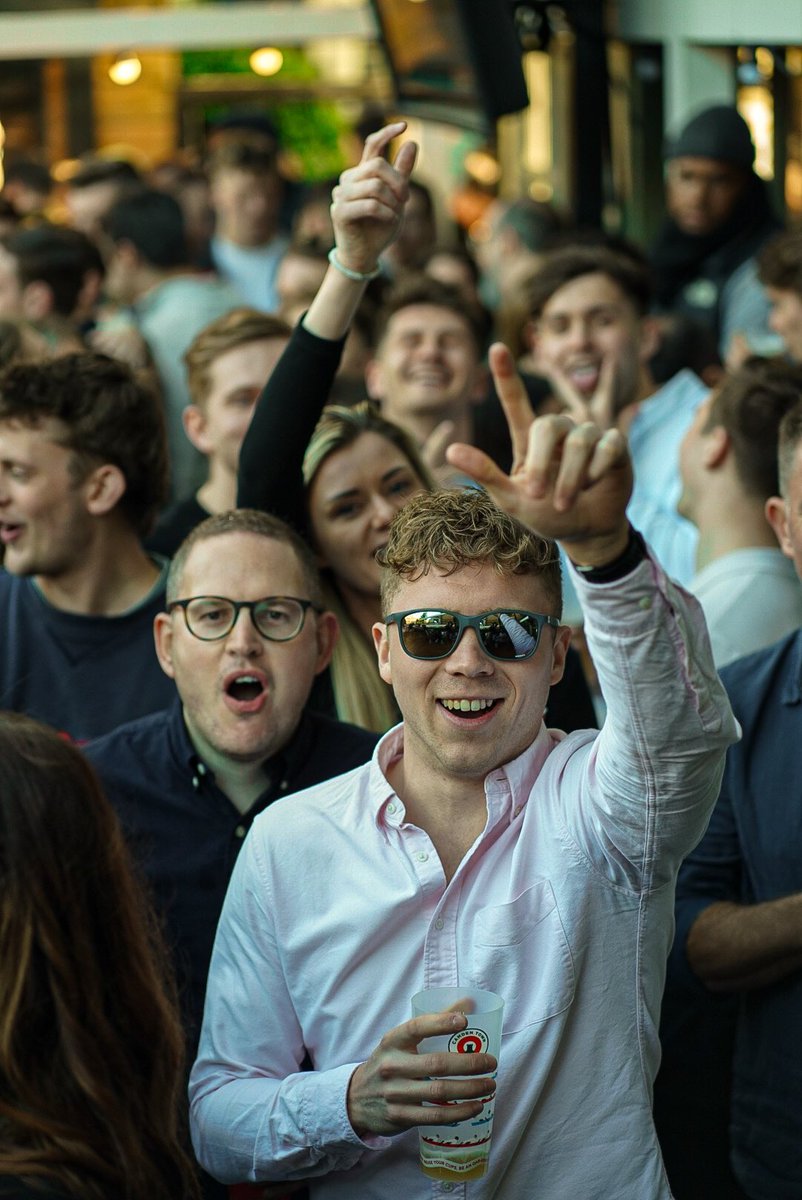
{"points": [[367, 211], [657, 763]]}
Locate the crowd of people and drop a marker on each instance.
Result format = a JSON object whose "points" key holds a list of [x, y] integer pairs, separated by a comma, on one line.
{"points": [[364, 593]]}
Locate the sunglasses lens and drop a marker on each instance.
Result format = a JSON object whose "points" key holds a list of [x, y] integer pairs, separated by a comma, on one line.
{"points": [[430, 634], [509, 634]]}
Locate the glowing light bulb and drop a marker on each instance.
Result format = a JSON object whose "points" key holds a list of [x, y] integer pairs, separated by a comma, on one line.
{"points": [[125, 69], [267, 60]]}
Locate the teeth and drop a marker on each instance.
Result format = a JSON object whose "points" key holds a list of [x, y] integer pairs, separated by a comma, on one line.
{"points": [[468, 705]]}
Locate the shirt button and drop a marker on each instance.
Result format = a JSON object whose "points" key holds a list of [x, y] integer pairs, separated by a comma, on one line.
{"points": [[517, 810], [283, 785], [645, 603], [448, 1187], [240, 831], [392, 807], [439, 923], [422, 856]]}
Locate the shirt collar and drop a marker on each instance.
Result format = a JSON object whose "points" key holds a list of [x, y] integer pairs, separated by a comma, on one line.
{"points": [[507, 788], [286, 763]]}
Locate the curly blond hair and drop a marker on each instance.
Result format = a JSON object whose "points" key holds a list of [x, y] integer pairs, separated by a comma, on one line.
{"points": [[450, 529]]}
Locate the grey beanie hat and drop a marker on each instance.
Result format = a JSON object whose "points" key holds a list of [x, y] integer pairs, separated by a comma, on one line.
{"points": [[718, 132]]}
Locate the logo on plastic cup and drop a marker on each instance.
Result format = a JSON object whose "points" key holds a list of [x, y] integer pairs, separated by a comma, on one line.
{"points": [[469, 1041]]}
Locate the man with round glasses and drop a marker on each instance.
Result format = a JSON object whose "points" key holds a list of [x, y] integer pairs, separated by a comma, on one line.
{"points": [[244, 635], [478, 849]]}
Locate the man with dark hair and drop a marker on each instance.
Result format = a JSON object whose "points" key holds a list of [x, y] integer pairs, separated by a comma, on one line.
{"points": [[147, 269], [748, 588], [27, 185], [591, 336], [248, 245], [779, 267], [479, 849], [718, 216], [739, 894], [93, 189], [228, 363], [243, 633], [82, 476], [50, 276], [427, 365]]}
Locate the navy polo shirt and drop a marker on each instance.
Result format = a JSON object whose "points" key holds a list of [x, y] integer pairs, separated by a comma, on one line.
{"points": [[184, 832], [752, 852]]}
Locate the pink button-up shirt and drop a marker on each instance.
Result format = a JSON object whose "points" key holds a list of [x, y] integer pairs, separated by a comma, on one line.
{"points": [[339, 911]]}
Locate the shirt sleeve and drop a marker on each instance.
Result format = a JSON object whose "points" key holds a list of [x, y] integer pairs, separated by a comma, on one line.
{"points": [[255, 1115], [652, 776], [271, 459]]}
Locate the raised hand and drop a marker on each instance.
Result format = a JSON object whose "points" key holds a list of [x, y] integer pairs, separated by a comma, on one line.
{"points": [[368, 203], [387, 1092], [602, 407], [568, 481]]}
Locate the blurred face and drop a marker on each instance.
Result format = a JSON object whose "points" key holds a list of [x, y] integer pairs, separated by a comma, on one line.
{"points": [[785, 319], [11, 300], [511, 695], [427, 364], [236, 379], [243, 695], [87, 206], [585, 324], [246, 206], [44, 522], [352, 500], [297, 282], [702, 192]]}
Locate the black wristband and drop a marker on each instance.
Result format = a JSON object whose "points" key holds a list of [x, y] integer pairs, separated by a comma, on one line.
{"points": [[633, 554]]}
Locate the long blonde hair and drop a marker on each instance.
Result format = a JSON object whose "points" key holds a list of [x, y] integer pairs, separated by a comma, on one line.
{"points": [[360, 694]]}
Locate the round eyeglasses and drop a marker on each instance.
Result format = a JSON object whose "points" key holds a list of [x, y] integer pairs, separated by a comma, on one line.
{"points": [[504, 633], [277, 618]]}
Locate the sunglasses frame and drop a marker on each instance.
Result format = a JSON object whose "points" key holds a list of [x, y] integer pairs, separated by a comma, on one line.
{"points": [[464, 622]]}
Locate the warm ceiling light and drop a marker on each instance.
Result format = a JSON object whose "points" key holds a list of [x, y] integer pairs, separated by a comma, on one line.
{"points": [[268, 60], [125, 69]]}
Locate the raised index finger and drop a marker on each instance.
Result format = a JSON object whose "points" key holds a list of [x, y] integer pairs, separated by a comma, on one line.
{"points": [[376, 143], [514, 400]]}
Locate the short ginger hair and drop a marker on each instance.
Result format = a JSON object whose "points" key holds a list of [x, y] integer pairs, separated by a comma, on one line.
{"points": [[235, 328], [451, 529]]}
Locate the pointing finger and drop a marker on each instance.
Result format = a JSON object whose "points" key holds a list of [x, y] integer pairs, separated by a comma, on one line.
{"points": [[514, 400]]}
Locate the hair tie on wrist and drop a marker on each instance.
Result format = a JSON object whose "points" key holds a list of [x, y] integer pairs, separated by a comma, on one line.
{"points": [[357, 276]]}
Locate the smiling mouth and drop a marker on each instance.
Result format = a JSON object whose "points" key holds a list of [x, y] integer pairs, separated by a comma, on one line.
{"points": [[468, 708]]}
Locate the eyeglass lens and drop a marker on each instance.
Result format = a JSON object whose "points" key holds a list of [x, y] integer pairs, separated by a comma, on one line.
{"points": [[277, 618], [504, 635]]}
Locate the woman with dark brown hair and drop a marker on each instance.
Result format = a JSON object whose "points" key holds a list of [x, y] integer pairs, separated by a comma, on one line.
{"points": [[90, 1044]]}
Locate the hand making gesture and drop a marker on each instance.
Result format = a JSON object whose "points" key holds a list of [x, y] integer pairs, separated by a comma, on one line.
{"points": [[367, 210], [568, 481]]}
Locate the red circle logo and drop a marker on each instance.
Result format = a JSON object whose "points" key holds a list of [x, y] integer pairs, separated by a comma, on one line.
{"points": [[470, 1041]]}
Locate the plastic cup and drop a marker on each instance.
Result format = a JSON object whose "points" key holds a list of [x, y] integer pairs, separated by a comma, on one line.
{"points": [[460, 1150]]}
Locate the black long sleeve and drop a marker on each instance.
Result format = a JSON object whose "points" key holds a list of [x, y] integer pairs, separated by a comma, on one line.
{"points": [[288, 410]]}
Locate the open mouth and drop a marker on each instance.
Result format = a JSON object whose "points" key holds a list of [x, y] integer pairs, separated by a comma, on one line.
{"points": [[468, 708], [9, 533], [585, 377], [244, 688]]}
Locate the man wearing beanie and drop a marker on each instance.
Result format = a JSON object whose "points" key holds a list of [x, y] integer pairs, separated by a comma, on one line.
{"points": [[718, 217]]}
